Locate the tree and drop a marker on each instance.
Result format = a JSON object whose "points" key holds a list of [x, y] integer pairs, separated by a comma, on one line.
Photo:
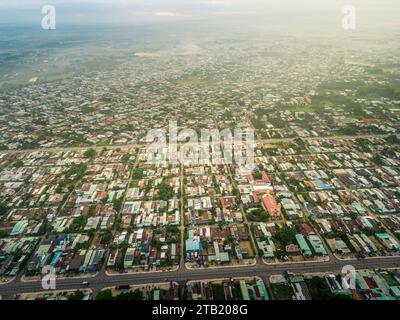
{"points": [[3, 209], [78, 295], [18, 163], [104, 295], [45, 228], [257, 214], [131, 295], [117, 204], [91, 210], [137, 173], [378, 160], [125, 158], [90, 153], [106, 237], [285, 235], [3, 234], [319, 290], [172, 229], [218, 291], [165, 192], [77, 170], [393, 139]]}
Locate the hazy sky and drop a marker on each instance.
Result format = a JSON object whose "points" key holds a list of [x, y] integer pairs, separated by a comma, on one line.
{"points": [[70, 12]]}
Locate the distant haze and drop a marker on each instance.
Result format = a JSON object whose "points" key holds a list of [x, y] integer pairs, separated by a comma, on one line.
{"points": [[379, 13]]}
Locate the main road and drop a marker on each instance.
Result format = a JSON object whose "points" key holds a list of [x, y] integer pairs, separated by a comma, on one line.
{"points": [[102, 280]]}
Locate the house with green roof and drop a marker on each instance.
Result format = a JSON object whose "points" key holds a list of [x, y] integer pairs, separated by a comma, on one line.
{"points": [[305, 249], [317, 244]]}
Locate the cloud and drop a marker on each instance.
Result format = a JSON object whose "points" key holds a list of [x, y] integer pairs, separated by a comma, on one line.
{"points": [[118, 11], [165, 14], [230, 13]]}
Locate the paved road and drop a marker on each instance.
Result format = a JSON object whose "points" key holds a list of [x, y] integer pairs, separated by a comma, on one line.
{"points": [[182, 275]]}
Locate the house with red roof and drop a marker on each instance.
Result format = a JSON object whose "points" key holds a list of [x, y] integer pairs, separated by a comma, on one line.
{"points": [[307, 229], [271, 205]]}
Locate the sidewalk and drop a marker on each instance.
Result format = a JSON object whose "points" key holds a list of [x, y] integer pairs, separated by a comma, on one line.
{"points": [[367, 258], [38, 278], [327, 259], [116, 273], [8, 281], [253, 263]]}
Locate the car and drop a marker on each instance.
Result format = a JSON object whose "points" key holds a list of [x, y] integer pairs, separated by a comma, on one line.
{"points": [[85, 283]]}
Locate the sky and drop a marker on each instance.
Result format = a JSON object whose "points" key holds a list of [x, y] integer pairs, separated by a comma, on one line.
{"points": [[81, 12]]}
